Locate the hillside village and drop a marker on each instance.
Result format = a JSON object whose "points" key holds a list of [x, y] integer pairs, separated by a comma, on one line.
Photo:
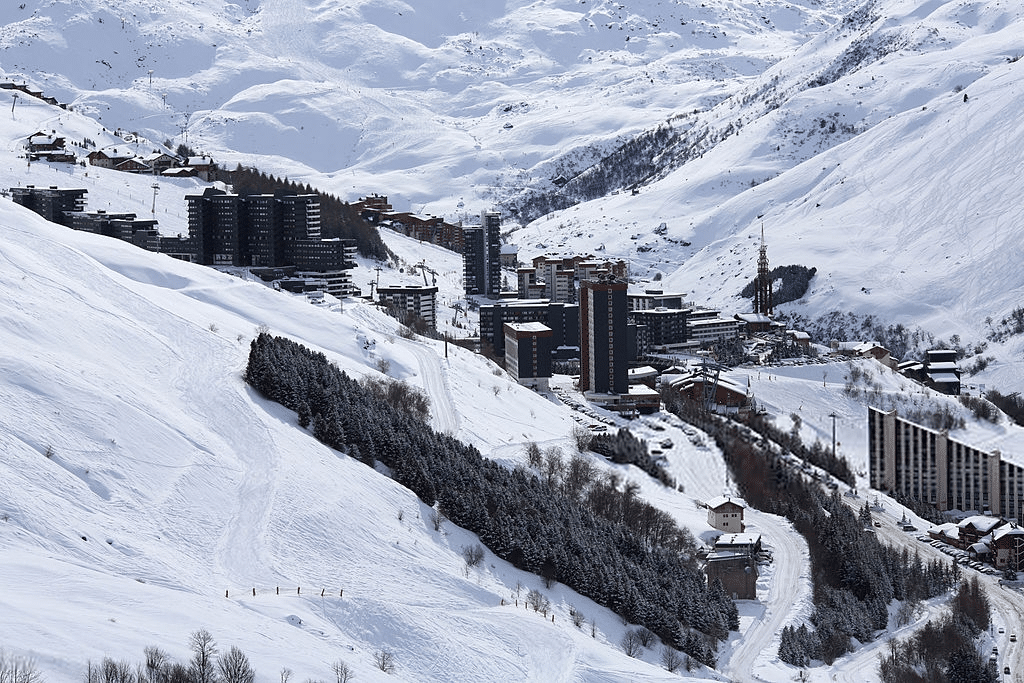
{"points": [[584, 394]]}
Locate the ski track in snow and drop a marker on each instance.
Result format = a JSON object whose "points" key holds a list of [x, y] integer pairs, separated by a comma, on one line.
{"points": [[442, 409]]}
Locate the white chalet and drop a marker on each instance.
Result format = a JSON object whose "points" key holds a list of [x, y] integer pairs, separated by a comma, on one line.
{"points": [[726, 514]]}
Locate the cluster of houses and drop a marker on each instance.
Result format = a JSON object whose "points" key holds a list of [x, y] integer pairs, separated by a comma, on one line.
{"points": [[985, 538], [38, 94], [48, 146], [376, 209], [938, 370], [155, 163]]}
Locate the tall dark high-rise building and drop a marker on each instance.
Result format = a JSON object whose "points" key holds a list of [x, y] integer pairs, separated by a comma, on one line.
{"points": [[603, 352], [267, 231], [491, 222], [265, 239], [474, 277], [52, 203], [258, 230], [482, 256], [216, 225]]}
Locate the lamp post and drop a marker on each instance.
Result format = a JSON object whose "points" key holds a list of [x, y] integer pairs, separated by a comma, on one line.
{"points": [[151, 78], [156, 188]]}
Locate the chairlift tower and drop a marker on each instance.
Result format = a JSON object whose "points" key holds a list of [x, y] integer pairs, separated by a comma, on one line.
{"points": [[709, 384]]}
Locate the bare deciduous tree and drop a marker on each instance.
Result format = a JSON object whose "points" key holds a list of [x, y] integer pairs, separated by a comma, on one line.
{"points": [[671, 659], [554, 466], [534, 456], [342, 672], [581, 437], [631, 643], [234, 667], [385, 660], [646, 636], [156, 659], [204, 650], [538, 601], [473, 555], [112, 671]]}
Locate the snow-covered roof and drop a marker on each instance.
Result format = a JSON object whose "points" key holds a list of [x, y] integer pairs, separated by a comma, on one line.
{"points": [[753, 317], [943, 377], [944, 365], [719, 501], [949, 529], [734, 540], [798, 334], [43, 139], [726, 555], [682, 381], [529, 327], [979, 549], [981, 522], [158, 155], [707, 322], [1007, 530]]}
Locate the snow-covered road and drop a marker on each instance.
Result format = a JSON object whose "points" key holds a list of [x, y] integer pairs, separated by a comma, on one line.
{"points": [[788, 591]]}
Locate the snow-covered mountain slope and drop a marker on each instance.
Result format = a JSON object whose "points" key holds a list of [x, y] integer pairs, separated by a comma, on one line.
{"points": [[841, 127], [413, 97], [147, 491]]}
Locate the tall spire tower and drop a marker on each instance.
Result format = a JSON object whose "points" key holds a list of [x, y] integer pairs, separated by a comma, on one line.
{"points": [[763, 284]]}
